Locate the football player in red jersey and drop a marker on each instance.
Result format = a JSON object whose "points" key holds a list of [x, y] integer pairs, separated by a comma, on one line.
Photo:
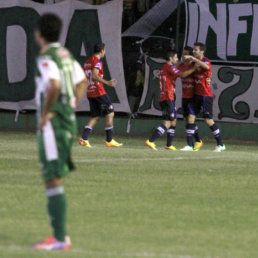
{"points": [[167, 77], [100, 103], [188, 93], [203, 98]]}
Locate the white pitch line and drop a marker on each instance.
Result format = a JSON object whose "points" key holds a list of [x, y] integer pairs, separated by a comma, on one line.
{"points": [[125, 159], [146, 159], [216, 156]]}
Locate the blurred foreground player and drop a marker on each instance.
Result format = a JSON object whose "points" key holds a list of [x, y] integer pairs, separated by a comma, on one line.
{"points": [[203, 98], [167, 77], [60, 86], [100, 102]]}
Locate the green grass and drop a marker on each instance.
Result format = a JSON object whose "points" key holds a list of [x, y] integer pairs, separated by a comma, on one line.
{"points": [[134, 202]]}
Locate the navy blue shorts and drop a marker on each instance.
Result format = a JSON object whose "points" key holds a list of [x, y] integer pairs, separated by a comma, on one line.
{"points": [[101, 106], [201, 104], [185, 106], [168, 108]]}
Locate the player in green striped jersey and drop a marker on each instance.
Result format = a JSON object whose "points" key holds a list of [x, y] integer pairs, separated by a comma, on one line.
{"points": [[61, 84]]}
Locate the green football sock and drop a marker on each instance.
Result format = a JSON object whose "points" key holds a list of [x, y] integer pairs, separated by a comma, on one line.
{"points": [[57, 211]]}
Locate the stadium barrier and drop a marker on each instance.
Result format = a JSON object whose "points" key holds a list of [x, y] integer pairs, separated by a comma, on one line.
{"points": [[241, 131]]}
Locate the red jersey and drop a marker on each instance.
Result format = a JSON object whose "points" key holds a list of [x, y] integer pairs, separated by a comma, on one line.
{"points": [[167, 77], [95, 88], [188, 82], [202, 79]]}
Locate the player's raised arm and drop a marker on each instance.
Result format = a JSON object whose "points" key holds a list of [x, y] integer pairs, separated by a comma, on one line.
{"points": [[96, 77], [198, 62], [202, 64], [187, 73]]}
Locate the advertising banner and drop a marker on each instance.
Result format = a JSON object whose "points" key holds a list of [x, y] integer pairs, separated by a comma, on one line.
{"points": [[84, 25], [234, 89]]}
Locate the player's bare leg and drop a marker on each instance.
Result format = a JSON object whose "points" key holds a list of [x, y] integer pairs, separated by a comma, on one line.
{"points": [[109, 120], [110, 142], [93, 121]]}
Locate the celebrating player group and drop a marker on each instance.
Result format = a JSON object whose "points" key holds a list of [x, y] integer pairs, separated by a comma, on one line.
{"points": [[195, 71]]}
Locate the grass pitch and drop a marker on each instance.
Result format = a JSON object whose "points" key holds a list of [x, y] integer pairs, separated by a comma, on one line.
{"points": [[134, 202]]}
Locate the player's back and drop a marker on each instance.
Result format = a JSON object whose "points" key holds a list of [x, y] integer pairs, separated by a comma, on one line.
{"points": [[167, 77], [95, 88]]}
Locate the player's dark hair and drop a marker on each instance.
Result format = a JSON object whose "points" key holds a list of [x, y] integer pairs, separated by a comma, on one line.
{"points": [[50, 26], [98, 48], [169, 54], [189, 49], [200, 45]]}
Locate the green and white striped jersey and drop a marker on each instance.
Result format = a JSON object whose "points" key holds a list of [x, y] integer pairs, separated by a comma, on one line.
{"points": [[57, 63]]}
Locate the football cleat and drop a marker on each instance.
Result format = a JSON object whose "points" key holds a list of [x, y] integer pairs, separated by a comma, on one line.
{"points": [[198, 145], [51, 243], [220, 148], [171, 148], [187, 148], [84, 143], [151, 145], [113, 143]]}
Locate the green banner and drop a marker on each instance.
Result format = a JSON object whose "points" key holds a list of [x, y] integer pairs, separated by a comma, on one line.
{"points": [[234, 89], [228, 28], [83, 26]]}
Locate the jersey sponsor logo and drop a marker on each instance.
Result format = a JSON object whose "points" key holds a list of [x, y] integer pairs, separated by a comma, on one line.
{"points": [[92, 87], [187, 86], [188, 80], [45, 64]]}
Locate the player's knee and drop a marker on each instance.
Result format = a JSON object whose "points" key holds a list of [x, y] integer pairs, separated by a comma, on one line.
{"points": [[173, 123], [166, 123], [111, 115], [95, 119], [209, 121], [191, 119], [53, 182]]}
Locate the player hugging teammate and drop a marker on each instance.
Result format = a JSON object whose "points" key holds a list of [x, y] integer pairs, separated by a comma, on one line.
{"points": [[195, 71], [202, 99], [167, 77], [188, 94]]}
